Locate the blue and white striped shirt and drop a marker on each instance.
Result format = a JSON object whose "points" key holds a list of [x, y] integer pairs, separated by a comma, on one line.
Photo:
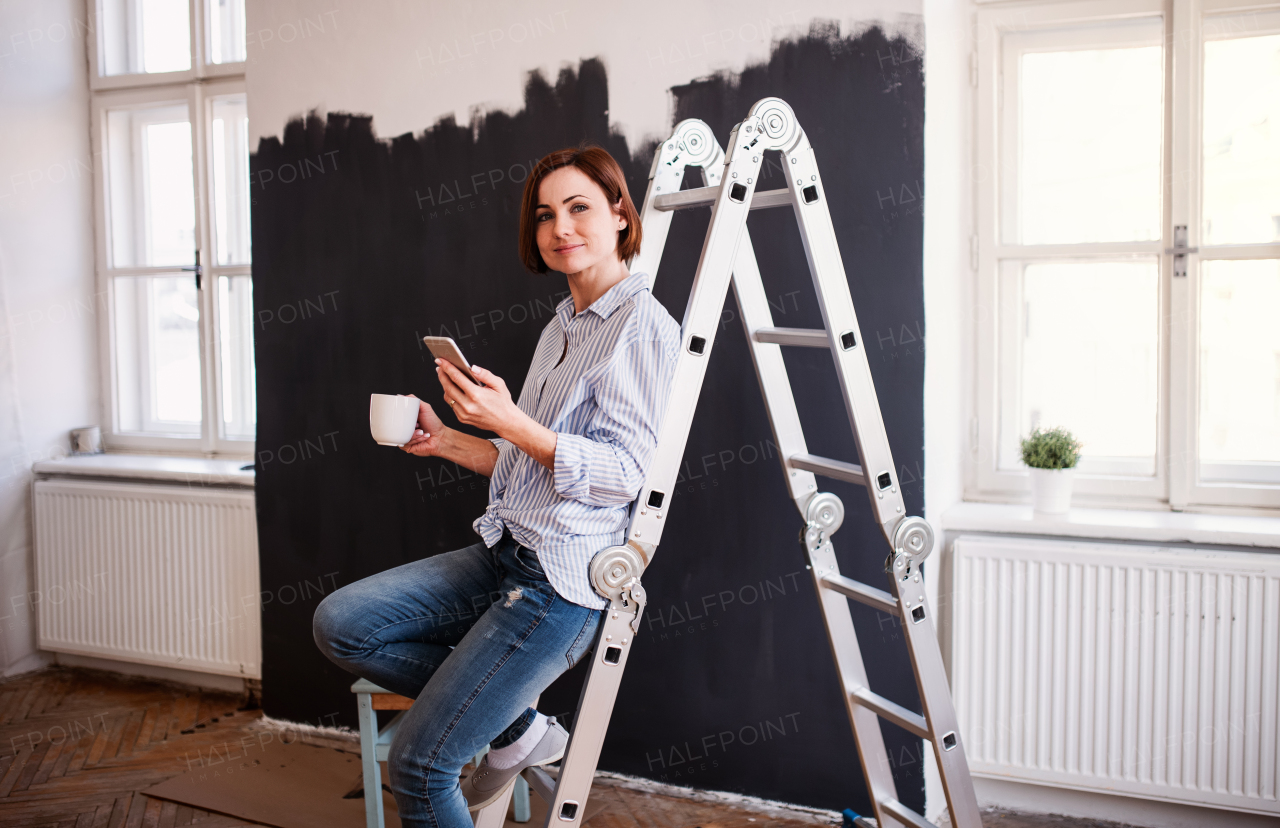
{"points": [[605, 402]]}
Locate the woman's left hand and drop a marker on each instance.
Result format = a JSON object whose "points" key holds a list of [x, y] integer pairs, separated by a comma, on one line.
{"points": [[487, 406]]}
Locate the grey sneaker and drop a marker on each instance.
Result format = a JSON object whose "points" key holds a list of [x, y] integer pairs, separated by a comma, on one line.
{"points": [[488, 783]]}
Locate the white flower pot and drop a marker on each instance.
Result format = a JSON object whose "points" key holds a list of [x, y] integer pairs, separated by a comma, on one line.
{"points": [[1051, 490]]}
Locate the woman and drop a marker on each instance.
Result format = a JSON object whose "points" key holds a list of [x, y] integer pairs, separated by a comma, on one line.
{"points": [[475, 635]]}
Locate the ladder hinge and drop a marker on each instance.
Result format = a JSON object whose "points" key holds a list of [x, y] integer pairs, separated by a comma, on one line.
{"points": [[973, 252], [973, 69]]}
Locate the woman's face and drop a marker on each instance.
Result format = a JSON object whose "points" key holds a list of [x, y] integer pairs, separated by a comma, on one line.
{"points": [[577, 226]]}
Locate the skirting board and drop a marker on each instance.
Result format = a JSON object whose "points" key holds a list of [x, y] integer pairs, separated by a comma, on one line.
{"points": [[767, 807], [205, 681], [1021, 796]]}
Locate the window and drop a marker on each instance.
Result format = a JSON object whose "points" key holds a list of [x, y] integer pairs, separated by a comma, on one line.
{"points": [[171, 156], [143, 41], [1128, 238]]}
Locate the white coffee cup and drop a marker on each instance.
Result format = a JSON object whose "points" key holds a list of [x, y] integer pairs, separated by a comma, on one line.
{"points": [[392, 418]]}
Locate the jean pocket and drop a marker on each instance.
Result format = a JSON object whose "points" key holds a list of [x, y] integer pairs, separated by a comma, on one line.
{"points": [[527, 560], [586, 638]]}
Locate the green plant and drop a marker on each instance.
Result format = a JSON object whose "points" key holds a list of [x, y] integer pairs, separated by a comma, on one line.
{"points": [[1052, 448]]}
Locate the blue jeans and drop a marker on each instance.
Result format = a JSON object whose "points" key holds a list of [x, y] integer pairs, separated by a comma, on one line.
{"points": [[474, 636]]}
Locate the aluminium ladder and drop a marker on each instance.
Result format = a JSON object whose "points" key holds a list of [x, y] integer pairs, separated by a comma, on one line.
{"points": [[727, 254]]}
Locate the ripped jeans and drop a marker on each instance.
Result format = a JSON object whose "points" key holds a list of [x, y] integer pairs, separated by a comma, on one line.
{"points": [[474, 636]]}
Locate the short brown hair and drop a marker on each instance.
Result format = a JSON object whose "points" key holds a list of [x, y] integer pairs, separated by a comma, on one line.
{"points": [[599, 166]]}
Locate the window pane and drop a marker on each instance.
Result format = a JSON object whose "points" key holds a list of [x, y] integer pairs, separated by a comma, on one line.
{"points": [[229, 143], [1240, 370], [239, 396], [226, 31], [145, 36], [151, 197], [1242, 140], [1081, 350], [1082, 134], [157, 354]]}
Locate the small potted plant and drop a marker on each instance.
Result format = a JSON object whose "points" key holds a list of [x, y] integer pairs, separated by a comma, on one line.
{"points": [[1051, 454]]}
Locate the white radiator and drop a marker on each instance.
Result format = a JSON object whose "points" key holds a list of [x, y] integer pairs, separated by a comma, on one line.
{"points": [[1126, 669], [156, 574]]}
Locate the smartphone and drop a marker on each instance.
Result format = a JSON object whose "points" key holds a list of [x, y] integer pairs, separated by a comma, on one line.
{"points": [[445, 348]]}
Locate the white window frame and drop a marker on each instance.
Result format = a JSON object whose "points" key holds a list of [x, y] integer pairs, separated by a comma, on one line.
{"points": [[197, 87], [200, 51], [1175, 484], [1186, 489]]}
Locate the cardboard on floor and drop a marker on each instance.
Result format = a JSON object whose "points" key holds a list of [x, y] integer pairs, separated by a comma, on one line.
{"points": [[266, 779], [272, 780]]}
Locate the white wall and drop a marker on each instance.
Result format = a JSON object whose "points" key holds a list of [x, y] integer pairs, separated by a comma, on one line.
{"points": [[48, 310], [948, 279], [419, 62]]}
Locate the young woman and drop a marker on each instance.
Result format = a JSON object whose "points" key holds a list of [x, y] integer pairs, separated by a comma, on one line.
{"points": [[475, 635]]}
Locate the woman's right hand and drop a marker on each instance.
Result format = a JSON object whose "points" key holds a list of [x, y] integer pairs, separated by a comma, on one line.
{"points": [[428, 437]]}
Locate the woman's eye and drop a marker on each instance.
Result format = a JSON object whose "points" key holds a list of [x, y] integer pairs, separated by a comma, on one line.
{"points": [[543, 217], [576, 206]]}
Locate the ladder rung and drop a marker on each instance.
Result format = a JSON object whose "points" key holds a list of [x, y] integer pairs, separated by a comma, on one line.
{"points": [[892, 711], [905, 814], [541, 783], [706, 196], [825, 466], [802, 337], [860, 592]]}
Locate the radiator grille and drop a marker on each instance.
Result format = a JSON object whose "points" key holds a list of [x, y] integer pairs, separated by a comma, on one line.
{"points": [[1127, 669], [154, 574]]}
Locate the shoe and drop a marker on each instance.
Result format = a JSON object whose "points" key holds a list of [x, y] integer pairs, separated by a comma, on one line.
{"points": [[488, 783]]}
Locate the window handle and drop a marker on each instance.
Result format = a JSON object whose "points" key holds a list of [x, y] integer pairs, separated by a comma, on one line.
{"points": [[195, 269], [1180, 250]]}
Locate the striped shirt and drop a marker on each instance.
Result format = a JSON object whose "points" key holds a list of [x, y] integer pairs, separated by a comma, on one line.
{"points": [[605, 402]]}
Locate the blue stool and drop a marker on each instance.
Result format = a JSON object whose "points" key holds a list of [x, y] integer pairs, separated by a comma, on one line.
{"points": [[375, 744]]}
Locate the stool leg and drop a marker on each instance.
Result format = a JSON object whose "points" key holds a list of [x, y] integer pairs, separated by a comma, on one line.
{"points": [[494, 815], [369, 762], [522, 811]]}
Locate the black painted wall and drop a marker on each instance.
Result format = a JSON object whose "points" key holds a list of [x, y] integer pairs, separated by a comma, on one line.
{"points": [[362, 246]]}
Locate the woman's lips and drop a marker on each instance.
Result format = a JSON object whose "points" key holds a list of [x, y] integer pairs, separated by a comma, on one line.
{"points": [[569, 248]]}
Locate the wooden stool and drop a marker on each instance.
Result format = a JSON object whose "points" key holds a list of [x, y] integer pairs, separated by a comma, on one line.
{"points": [[375, 744]]}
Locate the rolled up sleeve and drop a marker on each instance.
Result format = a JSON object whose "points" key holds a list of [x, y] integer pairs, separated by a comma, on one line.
{"points": [[606, 465]]}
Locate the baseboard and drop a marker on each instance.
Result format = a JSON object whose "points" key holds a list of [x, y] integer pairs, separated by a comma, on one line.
{"points": [[766, 807], [29, 663], [204, 681], [1020, 796]]}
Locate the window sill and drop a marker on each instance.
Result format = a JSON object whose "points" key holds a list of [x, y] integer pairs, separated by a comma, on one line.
{"points": [[1116, 524], [198, 471]]}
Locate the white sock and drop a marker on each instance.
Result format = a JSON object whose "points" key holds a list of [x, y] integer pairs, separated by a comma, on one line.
{"points": [[514, 753]]}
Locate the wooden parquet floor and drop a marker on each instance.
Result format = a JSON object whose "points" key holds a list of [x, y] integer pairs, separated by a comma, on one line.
{"points": [[77, 747]]}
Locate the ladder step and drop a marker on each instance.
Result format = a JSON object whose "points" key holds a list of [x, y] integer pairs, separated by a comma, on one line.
{"points": [[825, 466], [706, 196], [541, 783], [802, 337], [905, 814], [860, 592], [892, 711]]}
